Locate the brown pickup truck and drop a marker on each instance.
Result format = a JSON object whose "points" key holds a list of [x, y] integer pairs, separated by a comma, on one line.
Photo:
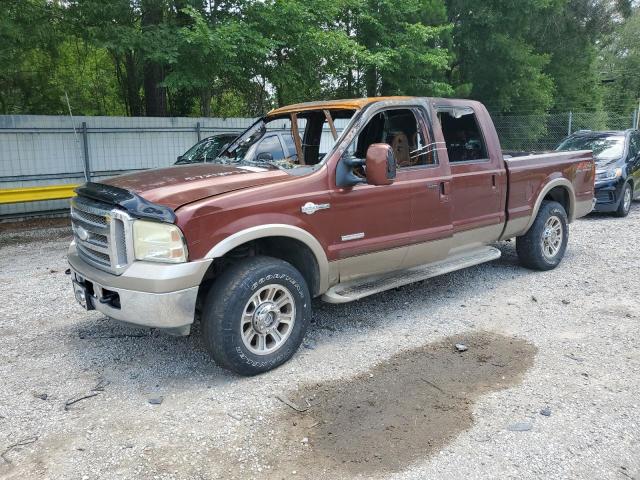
{"points": [[367, 195]]}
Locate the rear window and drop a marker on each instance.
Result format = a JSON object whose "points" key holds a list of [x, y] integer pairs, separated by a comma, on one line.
{"points": [[604, 147], [462, 134]]}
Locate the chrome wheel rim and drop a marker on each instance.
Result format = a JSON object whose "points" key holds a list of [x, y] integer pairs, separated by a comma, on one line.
{"points": [[627, 198], [552, 237], [267, 319]]}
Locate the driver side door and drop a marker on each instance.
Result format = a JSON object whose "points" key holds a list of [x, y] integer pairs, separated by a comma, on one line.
{"points": [[372, 226]]}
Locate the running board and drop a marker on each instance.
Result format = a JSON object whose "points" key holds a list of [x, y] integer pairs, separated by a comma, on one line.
{"points": [[363, 287]]}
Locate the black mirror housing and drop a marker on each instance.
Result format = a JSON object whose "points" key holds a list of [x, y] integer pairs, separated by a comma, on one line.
{"points": [[344, 173]]}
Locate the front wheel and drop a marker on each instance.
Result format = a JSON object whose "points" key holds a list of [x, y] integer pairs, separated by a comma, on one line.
{"points": [[255, 315], [625, 201], [543, 246]]}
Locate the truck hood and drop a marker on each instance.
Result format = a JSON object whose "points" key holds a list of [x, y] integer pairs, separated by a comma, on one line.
{"points": [[176, 186]]}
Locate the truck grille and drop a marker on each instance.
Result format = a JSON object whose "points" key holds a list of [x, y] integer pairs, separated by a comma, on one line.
{"points": [[102, 234]]}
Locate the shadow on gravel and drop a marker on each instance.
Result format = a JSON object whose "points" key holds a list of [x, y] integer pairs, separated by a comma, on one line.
{"points": [[129, 356], [389, 305], [399, 412]]}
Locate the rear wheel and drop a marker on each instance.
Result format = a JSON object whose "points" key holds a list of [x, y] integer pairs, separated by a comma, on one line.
{"points": [[543, 246], [625, 201], [255, 315]]}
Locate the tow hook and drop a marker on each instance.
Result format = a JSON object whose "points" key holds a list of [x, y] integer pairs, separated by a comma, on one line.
{"points": [[110, 297]]}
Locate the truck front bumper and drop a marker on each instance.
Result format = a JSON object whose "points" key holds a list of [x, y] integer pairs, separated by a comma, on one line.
{"points": [[147, 294]]}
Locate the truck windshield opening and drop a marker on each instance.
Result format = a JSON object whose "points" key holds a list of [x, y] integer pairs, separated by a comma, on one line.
{"points": [[288, 141]]}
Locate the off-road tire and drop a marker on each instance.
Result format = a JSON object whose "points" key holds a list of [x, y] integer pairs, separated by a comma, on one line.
{"points": [[623, 210], [530, 246], [224, 308]]}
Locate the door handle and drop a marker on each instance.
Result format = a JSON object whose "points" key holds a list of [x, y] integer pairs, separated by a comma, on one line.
{"points": [[493, 181], [444, 191]]}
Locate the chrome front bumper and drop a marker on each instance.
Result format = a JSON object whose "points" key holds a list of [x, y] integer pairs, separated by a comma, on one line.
{"points": [[147, 294]]}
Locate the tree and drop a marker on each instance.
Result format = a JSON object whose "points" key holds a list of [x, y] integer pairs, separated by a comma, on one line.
{"points": [[30, 37], [495, 60], [407, 46], [621, 66]]}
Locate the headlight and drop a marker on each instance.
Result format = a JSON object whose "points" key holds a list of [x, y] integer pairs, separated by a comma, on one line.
{"points": [[612, 174], [158, 242]]}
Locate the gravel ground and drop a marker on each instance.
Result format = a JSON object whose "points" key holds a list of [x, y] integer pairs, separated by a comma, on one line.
{"points": [[582, 321]]}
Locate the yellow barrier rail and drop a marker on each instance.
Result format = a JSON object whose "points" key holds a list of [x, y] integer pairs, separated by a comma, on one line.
{"points": [[35, 194]]}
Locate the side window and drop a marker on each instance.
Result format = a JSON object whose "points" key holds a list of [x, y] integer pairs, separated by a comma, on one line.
{"points": [[400, 129], [272, 146], [291, 146], [462, 134]]}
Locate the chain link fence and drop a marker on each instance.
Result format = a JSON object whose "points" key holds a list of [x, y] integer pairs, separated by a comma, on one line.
{"points": [[535, 133], [49, 150]]}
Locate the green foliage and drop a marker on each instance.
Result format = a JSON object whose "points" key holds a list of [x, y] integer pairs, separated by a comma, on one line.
{"points": [[244, 57], [621, 66], [406, 47], [496, 57], [29, 37]]}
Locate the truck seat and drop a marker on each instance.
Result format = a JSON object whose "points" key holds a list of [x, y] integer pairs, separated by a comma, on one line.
{"points": [[401, 150]]}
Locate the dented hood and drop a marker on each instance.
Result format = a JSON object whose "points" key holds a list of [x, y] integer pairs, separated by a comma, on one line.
{"points": [[176, 186]]}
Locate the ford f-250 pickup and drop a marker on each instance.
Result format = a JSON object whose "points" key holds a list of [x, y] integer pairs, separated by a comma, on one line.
{"points": [[374, 194]]}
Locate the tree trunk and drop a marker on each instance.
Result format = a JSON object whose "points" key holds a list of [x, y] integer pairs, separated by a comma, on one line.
{"points": [[371, 81], [132, 85], [205, 102], [155, 95]]}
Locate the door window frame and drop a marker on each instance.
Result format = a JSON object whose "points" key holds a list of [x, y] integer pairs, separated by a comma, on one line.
{"points": [[419, 112]]}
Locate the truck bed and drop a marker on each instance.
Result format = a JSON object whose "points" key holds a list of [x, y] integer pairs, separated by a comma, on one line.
{"points": [[529, 174]]}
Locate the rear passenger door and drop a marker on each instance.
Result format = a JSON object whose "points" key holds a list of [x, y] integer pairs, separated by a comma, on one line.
{"points": [[478, 182]]}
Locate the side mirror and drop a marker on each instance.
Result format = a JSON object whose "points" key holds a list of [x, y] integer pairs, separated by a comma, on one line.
{"points": [[380, 164], [380, 167], [264, 157], [179, 159]]}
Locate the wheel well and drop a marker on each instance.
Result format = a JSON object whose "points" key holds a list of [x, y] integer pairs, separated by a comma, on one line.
{"points": [[561, 195], [288, 249]]}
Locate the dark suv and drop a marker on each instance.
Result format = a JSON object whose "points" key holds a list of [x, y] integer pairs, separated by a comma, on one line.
{"points": [[617, 155], [206, 149], [274, 146]]}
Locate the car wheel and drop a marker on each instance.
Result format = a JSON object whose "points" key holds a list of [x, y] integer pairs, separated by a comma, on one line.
{"points": [[255, 315], [544, 245], [625, 201]]}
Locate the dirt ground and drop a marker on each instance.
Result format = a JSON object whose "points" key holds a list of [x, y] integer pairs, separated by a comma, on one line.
{"points": [[547, 388], [413, 404]]}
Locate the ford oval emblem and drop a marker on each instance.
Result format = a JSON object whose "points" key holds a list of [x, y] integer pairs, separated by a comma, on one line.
{"points": [[82, 233]]}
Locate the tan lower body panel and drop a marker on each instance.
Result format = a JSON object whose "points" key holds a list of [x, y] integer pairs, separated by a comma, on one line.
{"points": [[395, 259], [363, 287]]}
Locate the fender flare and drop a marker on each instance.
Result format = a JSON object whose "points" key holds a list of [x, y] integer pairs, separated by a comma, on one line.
{"points": [[276, 230], [556, 182]]}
